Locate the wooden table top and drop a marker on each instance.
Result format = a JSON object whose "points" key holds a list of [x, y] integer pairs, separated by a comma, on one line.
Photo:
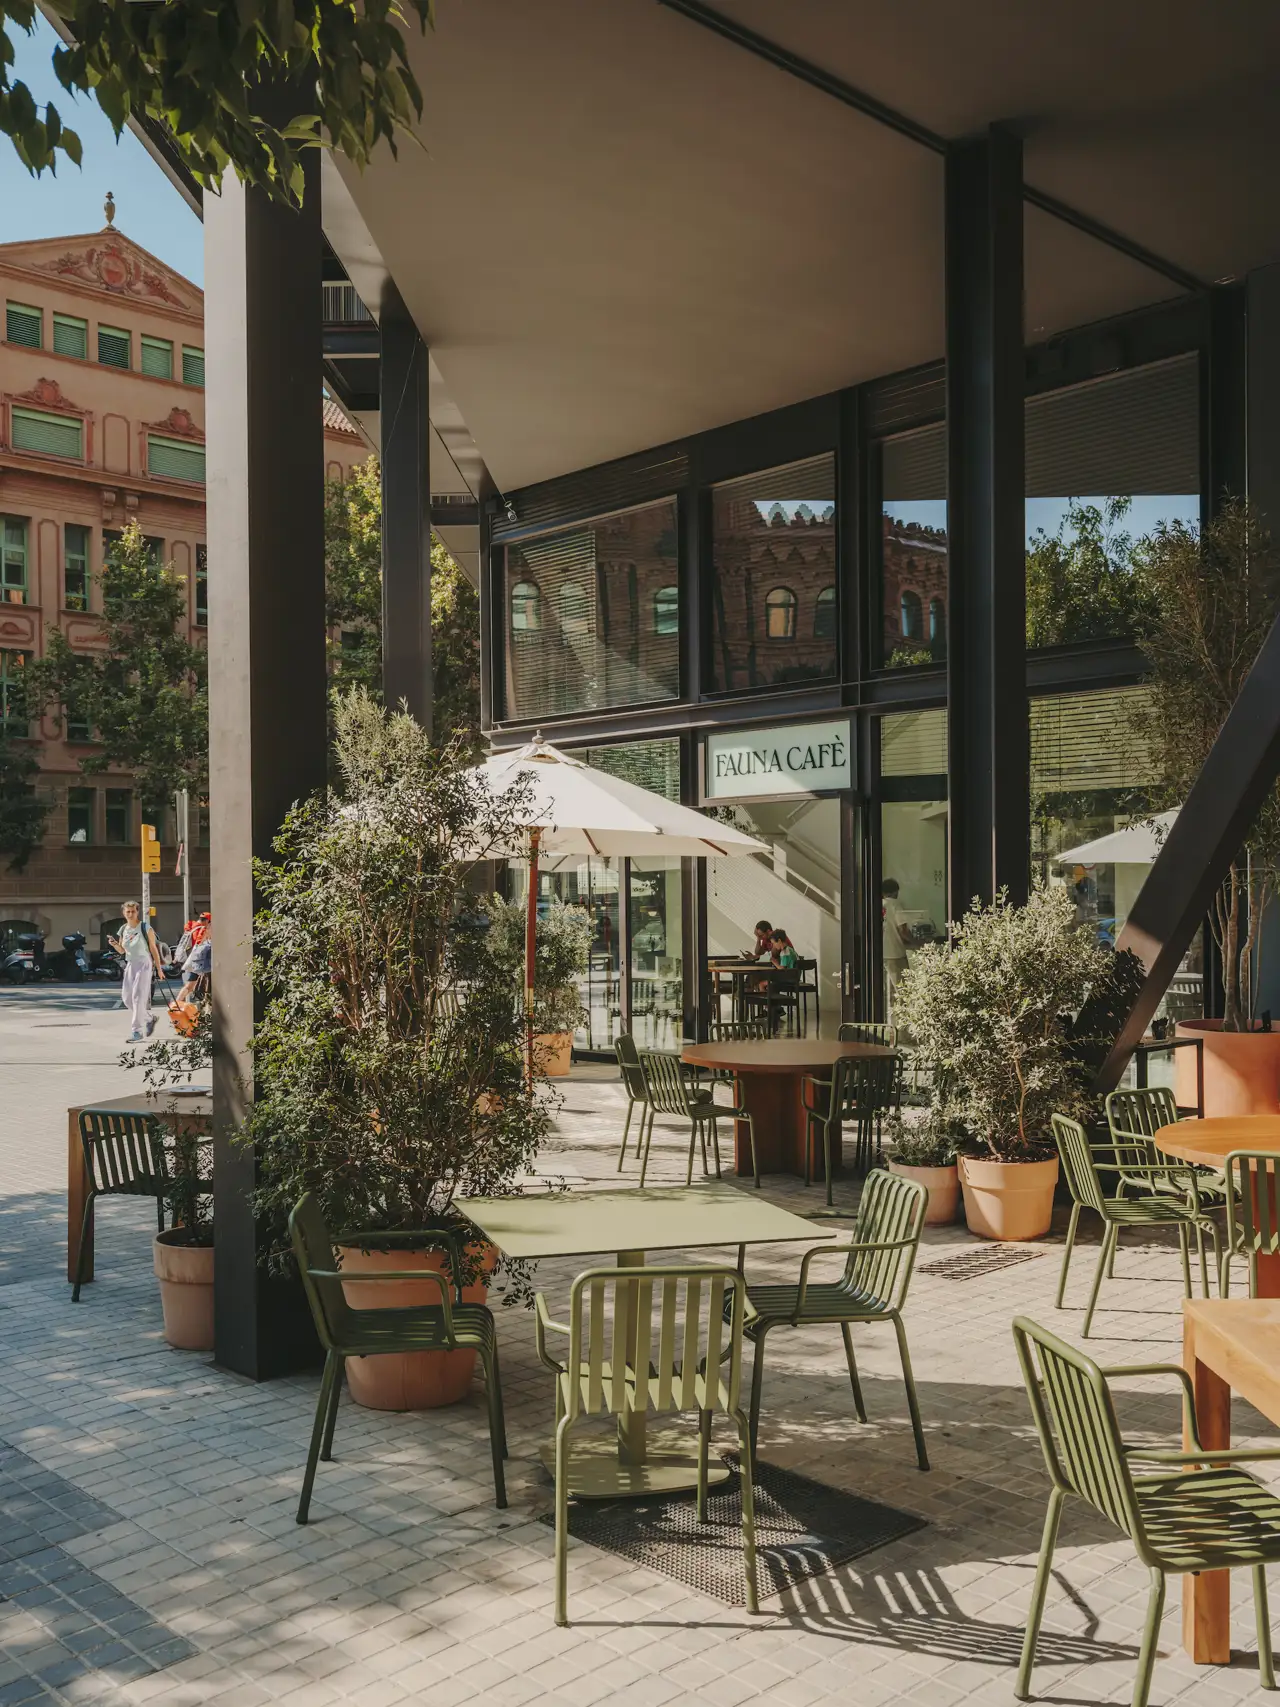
{"points": [[1210, 1141], [740, 968], [777, 1054], [1239, 1339]]}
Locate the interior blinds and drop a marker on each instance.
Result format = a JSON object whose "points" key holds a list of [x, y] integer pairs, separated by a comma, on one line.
{"points": [[913, 743], [1083, 741]]}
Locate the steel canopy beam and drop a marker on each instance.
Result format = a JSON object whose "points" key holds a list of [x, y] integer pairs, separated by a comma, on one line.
{"points": [[404, 383]]}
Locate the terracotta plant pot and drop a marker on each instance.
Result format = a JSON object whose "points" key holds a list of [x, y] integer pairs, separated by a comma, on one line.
{"points": [[553, 1051], [185, 1273], [943, 1186], [1241, 1069], [417, 1380], [1008, 1200]]}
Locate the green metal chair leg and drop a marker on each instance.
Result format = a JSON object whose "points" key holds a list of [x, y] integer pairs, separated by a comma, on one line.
{"points": [[1035, 1612], [648, 1139], [1184, 1245], [1150, 1636], [1072, 1224], [757, 1387], [82, 1255], [1104, 1256], [715, 1144], [1224, 1275], [493, 1390], [854, 1382], [317, 1434], [826, 1157], [922, 1457], [562, 1522], [1204, 1261], [1253, 1274], [1266, 1666], [746, 1453], [704, 1455], [326, 1446], [808, 1149], [626, 1132]]}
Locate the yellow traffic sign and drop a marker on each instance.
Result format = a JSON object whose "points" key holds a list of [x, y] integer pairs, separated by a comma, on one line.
{"points": [[150, 849]]}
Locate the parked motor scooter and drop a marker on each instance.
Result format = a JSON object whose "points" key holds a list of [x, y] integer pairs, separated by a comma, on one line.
{"points": [[23, 963], [106, 963], [70, 961]]}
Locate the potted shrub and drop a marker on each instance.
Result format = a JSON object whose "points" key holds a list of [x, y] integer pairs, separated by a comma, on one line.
{"points": [[1214, 594], [562, 942], [993, 1011], [388, 1055], [925, 1150]]}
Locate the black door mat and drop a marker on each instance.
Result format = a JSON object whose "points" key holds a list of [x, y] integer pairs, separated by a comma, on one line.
{"points": [[971, 1265], [803, 1529]]}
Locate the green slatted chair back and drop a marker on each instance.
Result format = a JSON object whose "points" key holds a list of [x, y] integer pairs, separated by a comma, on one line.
{"points": [[672, 1323], [865, 1085], [668, 1087], [1141, 1114], [737, 1030], [1253, 1203], [123, 1154], [1077, 1163], [1076, 1422], [869, 1031], [313, 1248], [890, 1212], [629, 1065]]}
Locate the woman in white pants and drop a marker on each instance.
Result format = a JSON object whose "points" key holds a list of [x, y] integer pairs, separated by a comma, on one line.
{"points": [[138, 947]]}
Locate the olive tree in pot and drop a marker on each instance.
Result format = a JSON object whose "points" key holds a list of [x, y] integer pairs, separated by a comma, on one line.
{"points": [[562, 942], [996, 1013], [1214, 593], [388, 1055]]}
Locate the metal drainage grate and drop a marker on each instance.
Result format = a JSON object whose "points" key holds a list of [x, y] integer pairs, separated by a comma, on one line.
{"points": [[803, 1530], [968, 1265]]}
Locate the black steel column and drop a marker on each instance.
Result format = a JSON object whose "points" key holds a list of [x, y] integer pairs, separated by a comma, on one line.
{"points": [[267, 736], [986, 604], [406, 511]]}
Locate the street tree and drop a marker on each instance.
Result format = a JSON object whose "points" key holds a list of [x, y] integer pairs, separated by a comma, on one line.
{"points": [[1084, 582], [23, 812]]}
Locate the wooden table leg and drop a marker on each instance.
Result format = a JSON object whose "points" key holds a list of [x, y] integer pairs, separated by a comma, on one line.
{"points": [[77, 1196], [770, 1098], [1268, 1277], [1206, 1597]]}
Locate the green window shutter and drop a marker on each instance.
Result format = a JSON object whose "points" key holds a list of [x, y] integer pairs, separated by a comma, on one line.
{"points": [[170, 459], [70, 336], [192, 366], [48, 435], [24, 325], [115, 348], [157, 357]]}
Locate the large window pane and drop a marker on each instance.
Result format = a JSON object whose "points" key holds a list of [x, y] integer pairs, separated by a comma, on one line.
{"points": [[580, 613], [774, 565], [913, 839], [913, 549], [657, 961]]}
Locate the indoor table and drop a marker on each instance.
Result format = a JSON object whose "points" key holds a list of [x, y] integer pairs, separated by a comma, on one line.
{"points": [[1229, 1345], [185, 1107], [737, 971], [770, 1074], [1208, 1143], [630, 1223]]}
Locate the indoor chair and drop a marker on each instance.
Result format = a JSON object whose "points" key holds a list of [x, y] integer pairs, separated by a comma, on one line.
{"points": [[869, 1031], [123, 1157], [1178, 1516], [807, 987], [1253, 1213], [675, 1093], [345, 1332], [683, 1328], [873, 1288], [862, 1089]]}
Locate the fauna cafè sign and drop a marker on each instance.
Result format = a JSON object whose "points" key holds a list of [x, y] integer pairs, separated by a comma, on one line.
{"points": [[799, 758]]}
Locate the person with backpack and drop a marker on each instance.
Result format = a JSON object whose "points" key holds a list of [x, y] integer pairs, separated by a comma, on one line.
{"points": [[141, 961]]}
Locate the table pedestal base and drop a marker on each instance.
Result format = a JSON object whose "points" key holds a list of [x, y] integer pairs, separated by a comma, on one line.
{"points": [[597, 1471], [776, 1104]]}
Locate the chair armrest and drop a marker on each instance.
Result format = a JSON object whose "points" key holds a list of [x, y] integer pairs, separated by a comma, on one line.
{"points": [[1229, 1455], [1179, 1374], [402, 1274], [811, 1079], [541, 1323], [844, 1251]]}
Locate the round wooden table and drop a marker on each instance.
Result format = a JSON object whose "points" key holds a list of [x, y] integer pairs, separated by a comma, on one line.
{"points": [[1207, 1143], [770, 1074]]}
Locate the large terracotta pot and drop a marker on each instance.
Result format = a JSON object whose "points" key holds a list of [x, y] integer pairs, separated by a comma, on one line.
{"points": [[553, 1051], [417, 1380], [1241, 1069], [943, 1186], [185, 1273], [1008, 1200]]}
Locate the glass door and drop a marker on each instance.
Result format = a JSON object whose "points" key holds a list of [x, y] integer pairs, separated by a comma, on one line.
{"points": [[655, 940]]}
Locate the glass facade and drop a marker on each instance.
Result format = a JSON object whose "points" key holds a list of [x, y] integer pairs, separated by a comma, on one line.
{"points": [[13, 560], [913, 839], [75, 567], [912, 471], [14, 715], [119, 816], [774, 579], [591, 618], [80, 805]]}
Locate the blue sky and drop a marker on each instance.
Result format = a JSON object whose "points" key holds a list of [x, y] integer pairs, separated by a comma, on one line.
{"points": [[1144, 512], [148, 208]]}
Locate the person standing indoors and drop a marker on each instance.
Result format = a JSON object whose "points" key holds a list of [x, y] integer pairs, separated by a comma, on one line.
{"points": [[896, 935], [138, 947]]}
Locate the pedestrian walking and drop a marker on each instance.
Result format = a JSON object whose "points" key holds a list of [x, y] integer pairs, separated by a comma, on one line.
{"points": [[138, 947]]}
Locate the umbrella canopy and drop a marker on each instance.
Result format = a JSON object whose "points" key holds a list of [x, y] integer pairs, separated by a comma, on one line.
{"points": [[1136, 844], [581, 811]]}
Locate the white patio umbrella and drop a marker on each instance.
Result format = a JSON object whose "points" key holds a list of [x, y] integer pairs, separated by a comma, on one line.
{"points": [[577, 810], [1136, 844]]}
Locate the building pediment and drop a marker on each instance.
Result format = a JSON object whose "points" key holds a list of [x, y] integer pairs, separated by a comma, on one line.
{"points": [[109, 262], [47, 394], [178, 425]]}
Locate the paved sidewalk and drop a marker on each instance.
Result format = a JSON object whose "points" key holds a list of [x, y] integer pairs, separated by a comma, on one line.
{"points": [[149, 1551]]}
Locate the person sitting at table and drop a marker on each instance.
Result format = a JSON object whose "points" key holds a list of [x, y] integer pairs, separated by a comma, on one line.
{"points": [[764, 941], [783, 951]]}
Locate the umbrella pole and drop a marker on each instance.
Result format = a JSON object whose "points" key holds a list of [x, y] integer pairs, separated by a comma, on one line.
{"points": [[530, 951]]}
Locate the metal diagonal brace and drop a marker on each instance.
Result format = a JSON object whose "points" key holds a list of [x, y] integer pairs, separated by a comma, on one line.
{"points": [[1242, 766]]}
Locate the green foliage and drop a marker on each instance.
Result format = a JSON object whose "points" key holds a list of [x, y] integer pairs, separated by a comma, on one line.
{"points": [[1215, 593], [200, 67], [23, 812], [455, 653], [562, 944], [169, 1061], [144, 693], [993, 1012], [1086, 581], [929, 1142], [388, 1056]]}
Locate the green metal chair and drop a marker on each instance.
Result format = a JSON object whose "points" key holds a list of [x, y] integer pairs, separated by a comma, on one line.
{"points": [[873, 1288], [1080, 1162], [123, 1157], [1179, 1517], [1134, 1118], [696, 1316], [868, 1031], [344, 1332], [633, 1082], [1253, 1213], [737, 1030], [675, 1093], [862, 1089]]}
